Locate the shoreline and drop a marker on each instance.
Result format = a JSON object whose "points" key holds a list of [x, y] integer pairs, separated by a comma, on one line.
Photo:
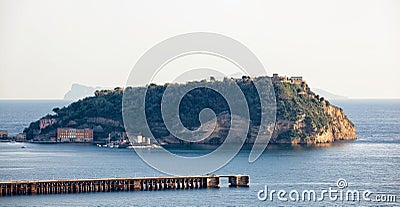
{"points": [[247, 146]]}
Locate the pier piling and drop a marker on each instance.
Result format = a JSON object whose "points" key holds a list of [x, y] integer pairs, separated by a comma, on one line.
{"points": [[25, 187]]}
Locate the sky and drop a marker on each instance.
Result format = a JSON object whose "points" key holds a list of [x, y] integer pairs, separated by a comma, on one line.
{"points": [[347, 47]]}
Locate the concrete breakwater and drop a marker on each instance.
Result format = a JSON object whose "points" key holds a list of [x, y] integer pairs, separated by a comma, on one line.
{"points": [[25, 187]]}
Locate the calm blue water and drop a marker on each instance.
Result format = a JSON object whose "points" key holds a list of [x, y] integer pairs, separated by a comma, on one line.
{"points": [[370, 163], [15, 115]]}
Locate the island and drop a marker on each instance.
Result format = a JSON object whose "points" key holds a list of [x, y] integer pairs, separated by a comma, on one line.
{"points": [[302, 117]]}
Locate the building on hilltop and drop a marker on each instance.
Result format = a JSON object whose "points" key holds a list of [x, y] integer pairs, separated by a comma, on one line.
{"points": [[296, 79], [74, 135], [275, 77], [284, 79]]}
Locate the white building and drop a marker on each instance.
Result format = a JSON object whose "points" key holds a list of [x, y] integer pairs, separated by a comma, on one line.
{"points": [[140, 139]]}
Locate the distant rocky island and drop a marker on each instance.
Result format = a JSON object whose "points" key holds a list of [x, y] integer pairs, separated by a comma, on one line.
{"points": [[79, 91], [303, 117], [328, 95]]}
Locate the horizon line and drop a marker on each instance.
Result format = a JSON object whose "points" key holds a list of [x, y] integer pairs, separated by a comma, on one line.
{"points": [[61, 99]]}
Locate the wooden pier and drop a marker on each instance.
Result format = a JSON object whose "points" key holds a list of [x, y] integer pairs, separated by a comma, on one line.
{"points": [[25, 187]]}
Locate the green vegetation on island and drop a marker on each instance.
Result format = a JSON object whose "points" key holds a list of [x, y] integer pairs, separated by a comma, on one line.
{"points": [[302, 116]]}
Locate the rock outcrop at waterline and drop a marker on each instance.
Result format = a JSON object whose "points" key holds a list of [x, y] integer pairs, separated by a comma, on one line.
{"points": [[302, 116], [339, 128]]}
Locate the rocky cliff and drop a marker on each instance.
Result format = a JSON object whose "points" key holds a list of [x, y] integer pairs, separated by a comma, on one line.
{"points": [[306, 118], [339, 128]]}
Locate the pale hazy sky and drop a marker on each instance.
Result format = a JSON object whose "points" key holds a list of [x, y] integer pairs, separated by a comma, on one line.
{"points": [[347, 47]]}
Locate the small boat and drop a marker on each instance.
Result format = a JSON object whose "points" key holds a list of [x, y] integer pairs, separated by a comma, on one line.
{"points": [[23, 147]]}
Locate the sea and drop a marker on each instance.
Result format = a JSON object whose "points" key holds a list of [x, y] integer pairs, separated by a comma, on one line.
{"points": [[369, 165]]}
